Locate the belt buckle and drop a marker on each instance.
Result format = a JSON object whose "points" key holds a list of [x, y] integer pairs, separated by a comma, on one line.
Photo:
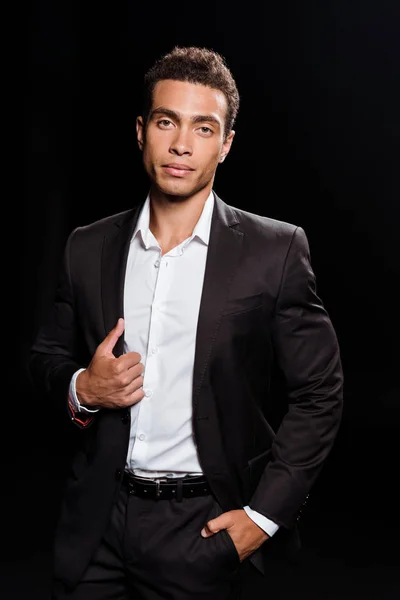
{"points": [[158, 487]]}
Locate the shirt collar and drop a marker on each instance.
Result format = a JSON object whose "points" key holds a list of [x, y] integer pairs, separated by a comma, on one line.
{"points": [[201, 230]]}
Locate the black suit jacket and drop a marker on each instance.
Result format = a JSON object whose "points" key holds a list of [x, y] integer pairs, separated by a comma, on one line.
{"points": [[259, 310]]}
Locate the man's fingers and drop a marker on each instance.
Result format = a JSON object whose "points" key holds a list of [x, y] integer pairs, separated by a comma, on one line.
{"points": [[129, 360], [223, 521], [211, 527], [108, 344]]}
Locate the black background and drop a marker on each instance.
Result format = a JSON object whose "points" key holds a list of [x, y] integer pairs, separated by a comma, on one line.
{"points": [[317, 144]]}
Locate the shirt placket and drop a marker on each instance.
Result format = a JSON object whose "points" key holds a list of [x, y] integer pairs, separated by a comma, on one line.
{"points": [[151, 375]]}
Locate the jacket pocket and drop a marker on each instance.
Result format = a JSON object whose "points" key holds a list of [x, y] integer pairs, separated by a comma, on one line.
{"points": [[236, 306]]}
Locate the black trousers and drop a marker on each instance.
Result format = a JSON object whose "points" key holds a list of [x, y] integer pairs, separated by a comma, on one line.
{"points": [[153, 550]]}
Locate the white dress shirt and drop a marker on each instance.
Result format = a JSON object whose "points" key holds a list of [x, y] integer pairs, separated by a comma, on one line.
{"points": [[161, 305]]}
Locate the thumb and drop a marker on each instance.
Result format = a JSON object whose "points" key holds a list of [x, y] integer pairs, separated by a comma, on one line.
{"points": [[212, 527], [107, 345]]}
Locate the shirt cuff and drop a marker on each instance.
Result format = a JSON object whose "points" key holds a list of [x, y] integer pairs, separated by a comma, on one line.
{"points": [[76, 405], [266, 524]]}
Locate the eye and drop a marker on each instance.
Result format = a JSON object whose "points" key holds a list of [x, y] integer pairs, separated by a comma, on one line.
{"points": [[164, 122], [206, 130]]}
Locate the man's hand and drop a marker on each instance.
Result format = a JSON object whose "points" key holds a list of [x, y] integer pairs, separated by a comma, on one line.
{"points": [[111, 382], [245, 533]]}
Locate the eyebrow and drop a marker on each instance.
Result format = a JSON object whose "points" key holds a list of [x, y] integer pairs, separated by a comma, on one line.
{"points": [[176, 116]]}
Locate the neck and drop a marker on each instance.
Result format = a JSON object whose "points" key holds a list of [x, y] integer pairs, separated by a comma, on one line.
{"points": [[174, 218]]}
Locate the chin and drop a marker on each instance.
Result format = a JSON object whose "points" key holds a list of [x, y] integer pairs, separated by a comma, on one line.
{"points": [[177, 190]]}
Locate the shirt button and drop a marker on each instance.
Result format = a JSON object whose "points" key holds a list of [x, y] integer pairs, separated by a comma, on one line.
{"points": [[141, 437], [148, 393], [154, 350], [157, 264]]}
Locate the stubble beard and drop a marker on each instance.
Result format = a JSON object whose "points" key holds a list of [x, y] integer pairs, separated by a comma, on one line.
{"points": [[176, 193]]}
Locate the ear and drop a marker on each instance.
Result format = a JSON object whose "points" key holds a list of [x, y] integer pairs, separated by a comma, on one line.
{"points": [[226, 146], [140, 132]]}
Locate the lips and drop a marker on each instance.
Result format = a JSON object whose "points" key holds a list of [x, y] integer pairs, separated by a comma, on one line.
{"points": [[178, 170], [178, 166]]}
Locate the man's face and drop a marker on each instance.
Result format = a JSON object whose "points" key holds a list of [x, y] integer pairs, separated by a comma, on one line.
{"points": [[183, 141]]}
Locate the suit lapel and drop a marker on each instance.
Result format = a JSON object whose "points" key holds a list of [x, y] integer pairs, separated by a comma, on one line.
{"points": [[224, 249], [114, 259]]}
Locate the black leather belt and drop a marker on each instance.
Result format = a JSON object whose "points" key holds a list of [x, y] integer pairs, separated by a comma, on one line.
{"points": [[166, 489]]}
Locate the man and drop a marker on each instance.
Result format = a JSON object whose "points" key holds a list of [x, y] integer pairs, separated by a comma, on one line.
{"points": [[168, 322]]}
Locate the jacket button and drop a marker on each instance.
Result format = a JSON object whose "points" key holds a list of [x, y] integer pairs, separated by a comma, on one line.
{"points": [[118, 474], [125, 418]]}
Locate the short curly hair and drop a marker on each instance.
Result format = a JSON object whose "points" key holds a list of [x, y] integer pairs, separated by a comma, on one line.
{"points": [[194, 65]]}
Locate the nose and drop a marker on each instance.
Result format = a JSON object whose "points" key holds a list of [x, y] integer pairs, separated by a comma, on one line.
{"points": [[181, 143]]}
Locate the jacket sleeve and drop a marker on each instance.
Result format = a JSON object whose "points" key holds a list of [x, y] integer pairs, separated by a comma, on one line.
{"points": [[307, 353], [56, 352]]}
